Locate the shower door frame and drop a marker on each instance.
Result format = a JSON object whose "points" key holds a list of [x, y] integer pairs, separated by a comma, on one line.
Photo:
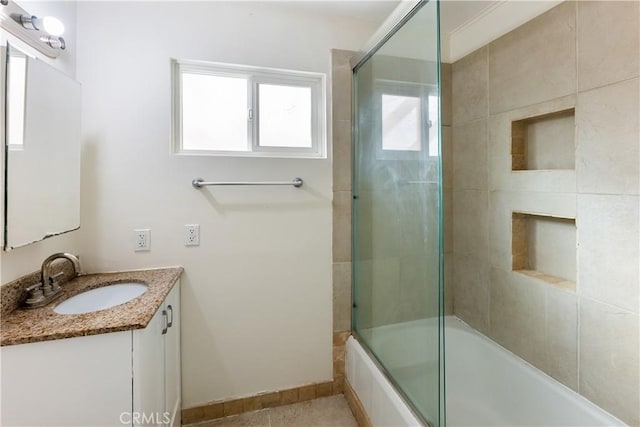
{"points": [[399, 17]]}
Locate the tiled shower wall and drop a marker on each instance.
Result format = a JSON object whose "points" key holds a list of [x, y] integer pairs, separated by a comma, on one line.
{"points": [[582, 55], [399, 291], [341, 127]]}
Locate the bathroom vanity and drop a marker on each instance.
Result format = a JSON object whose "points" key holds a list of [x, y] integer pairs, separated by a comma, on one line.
{"points": [[117, 366]]}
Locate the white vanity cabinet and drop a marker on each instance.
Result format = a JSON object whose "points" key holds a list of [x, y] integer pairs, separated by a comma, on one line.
{"points": [[129, 378], [156, 349]]}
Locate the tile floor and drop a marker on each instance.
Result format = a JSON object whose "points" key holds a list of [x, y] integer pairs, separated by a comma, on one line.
{"points": [[322, 412]]}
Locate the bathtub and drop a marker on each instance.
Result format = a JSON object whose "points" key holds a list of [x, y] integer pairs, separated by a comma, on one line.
{"points": [[486, 385]]}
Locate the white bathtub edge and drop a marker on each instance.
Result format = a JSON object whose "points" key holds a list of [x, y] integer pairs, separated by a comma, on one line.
{"points": [[382, 403]]}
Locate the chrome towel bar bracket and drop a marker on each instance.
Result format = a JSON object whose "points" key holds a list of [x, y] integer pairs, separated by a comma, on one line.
{"points": [[199, 183]]}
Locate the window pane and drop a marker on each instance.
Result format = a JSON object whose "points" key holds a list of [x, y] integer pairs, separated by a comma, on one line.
{"points": [[214, 113], [284, 116], [401, 118]]}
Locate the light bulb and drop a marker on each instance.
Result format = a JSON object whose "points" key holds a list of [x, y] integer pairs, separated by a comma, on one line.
{"points": [[51, 25]]}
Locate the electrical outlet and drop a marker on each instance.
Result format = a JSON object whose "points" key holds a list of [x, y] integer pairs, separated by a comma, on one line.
{"points": [[142, 240], [191, 235]]}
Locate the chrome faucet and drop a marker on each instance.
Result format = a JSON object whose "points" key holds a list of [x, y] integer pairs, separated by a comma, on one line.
{"points": [[42, 293], [47, 279]]}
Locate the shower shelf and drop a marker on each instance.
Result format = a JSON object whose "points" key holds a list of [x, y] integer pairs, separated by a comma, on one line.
{"points": [[544, 247], [544, 142]]}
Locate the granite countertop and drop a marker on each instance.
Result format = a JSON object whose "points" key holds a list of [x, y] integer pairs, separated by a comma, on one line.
{"points": [[43, 324]]}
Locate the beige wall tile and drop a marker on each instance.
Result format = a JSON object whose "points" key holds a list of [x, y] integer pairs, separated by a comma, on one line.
{"points": [[288, 396], [517, 314], [324, 389], [536, 62], [608, 42], [338, 361], [608, 153], [270, 399], [379, 227], [341, 84], [470, 156], [447, 212], [448, 284], [608, 249], [307, 392], [338, 385], [469, 87], [561, 345], [385, 295], [471, 291], [379, 293], [416, 210], [609, 361], [192, 415], [341, 296], [340, 338], [251, 404], [342, 155], [213, 411], [447, 157], [233, 407], [418, 287], [362, 310], [471, 222], [342, 226], [445, 93]]}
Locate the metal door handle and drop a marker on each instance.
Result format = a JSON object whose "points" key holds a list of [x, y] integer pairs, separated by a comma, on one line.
{"points": [[170, 322], [166, 322]]}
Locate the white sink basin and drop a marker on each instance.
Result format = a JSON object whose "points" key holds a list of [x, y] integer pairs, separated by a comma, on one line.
{"points": [[101, 298]]}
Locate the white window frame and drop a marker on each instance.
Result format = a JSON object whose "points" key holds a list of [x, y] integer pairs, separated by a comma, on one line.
{"points": [[254, 76]]}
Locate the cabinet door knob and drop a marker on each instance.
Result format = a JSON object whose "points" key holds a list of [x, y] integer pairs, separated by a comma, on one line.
{"points": [[166, 322], [170, 322]]}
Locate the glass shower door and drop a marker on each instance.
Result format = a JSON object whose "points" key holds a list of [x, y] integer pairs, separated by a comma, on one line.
{"points": [[397, 228]]}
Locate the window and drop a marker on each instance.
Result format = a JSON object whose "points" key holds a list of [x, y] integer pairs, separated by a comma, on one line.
{"points": [[401, 123], [223, 109], [409, 120]]}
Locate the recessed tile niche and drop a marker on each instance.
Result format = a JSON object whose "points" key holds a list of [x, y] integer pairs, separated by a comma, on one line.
{"points": [[544, 247], [544, 142]]}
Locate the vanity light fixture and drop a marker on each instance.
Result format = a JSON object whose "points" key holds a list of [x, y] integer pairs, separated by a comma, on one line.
{"points": [[42, 34], [54, 41], [49, 24]]}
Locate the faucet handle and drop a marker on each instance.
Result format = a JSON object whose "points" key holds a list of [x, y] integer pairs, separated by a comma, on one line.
{"points": [[53, 281], [36, 294], [55, 276], [33, 287]]}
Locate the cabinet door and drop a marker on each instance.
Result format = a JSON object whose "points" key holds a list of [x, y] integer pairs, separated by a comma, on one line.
{"points": [[81, 381], [148, 372], [172, 357]]}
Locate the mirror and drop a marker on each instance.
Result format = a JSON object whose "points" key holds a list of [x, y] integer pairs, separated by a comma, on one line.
{"points": [[42, 150]]}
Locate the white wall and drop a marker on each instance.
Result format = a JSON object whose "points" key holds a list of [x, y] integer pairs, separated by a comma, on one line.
{"points": [[24, 260], [256, 296]]}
